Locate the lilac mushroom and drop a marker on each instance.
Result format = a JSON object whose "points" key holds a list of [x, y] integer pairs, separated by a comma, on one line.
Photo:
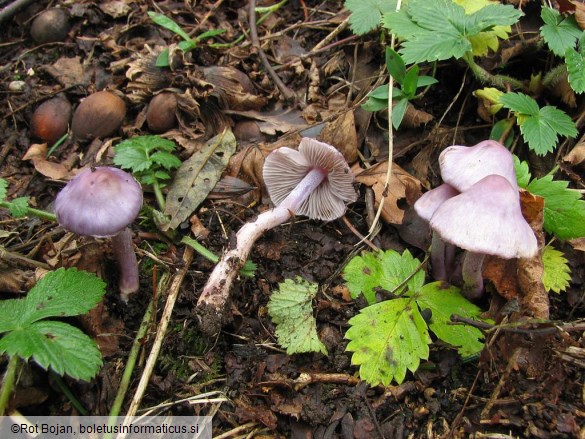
{"points": [[486, 219], [101, 202], [442, 254], [463, 166], [314, 181]]}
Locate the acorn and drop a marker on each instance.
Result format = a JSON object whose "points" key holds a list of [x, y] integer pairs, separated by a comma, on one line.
{"points": [[50, 26], [161, 113], [50, 120], [99, 115]]}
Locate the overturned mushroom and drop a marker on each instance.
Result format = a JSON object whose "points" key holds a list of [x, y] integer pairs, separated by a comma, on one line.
{"points": [[442, 254], [314, 181], [485, 220], [101, 202]]}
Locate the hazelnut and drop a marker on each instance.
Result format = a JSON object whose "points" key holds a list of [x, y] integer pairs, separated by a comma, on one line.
{"points": [[50, 120], [161, 113], [50, 26], [99, 115]]}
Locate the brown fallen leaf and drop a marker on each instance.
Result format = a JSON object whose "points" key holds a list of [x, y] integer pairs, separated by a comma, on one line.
{"points": [[577, 155], [402, 187], [37, 154], [341, 133]]}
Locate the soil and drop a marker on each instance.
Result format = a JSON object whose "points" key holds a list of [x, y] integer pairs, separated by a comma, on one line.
{"points": [[527, 382]]}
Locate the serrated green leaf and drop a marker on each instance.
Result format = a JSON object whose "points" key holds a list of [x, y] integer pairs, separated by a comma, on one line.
{"points": [[557, 274], [166, 160], [564, 210], [19, 207], [62, 293], [133, 158], [520, 103], [387, 339], [386, 270], [3, 189], [539, 136], [576, 69], [444, 301], [367, 14], [56, 345], [435, 46], [292, 312], [558, 33], [11, 311], [522, 172]]}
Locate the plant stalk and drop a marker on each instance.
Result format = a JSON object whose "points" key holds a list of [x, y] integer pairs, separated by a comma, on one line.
{"points": [[30, 211], [500, 81], [8, 383]]}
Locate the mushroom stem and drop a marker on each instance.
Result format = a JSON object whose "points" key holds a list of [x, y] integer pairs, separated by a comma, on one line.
{"points": [[123, 250], [212, 302], [472, 273], [438, 254]]}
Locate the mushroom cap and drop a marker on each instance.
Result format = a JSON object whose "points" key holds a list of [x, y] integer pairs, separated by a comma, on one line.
{"points": [[430, 201], [486, 219], [99, 202], [284, 169], [463, 166]]}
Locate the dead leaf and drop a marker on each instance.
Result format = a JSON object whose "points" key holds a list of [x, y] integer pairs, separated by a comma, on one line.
{"points": [[402, 187], [37, 154], [341, 133], [115, 9], [578, 244], [577, 155], [197, 176]]}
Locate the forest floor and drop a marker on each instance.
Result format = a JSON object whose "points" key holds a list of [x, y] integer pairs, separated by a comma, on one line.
{"points": [[525, 383]]}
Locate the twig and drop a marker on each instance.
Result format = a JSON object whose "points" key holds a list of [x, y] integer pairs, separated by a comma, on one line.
{"points": [[160, 335], [286, 92]]}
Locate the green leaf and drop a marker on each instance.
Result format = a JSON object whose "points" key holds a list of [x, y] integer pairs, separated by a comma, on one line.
{"points": [[398, 112], [166, 160], [444, 301], [367, 14], [558, 33], [576, 68], [395, 65], [557, 274], [62, 293], [387, 270], [144, 155], [539, 127], [387, 339], [19, 207], [3, 189], [56, 345], [522, 172], [410, 82], [11, 312], [375, 104], [520, 103], [168, 23], [564, 210], [292, 312], [425, 81], [440, 29], [209, 34]]}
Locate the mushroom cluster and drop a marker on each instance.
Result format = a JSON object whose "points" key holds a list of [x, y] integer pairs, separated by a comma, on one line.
{"points": [[476, 209], [313, 181]]}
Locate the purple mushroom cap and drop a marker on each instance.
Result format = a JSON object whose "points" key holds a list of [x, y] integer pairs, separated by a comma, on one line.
{"points": [[285, 168], [99, 202], [430, 201], [486, 219], [463, 166]]}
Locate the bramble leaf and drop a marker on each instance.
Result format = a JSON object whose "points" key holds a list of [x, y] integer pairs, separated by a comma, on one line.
{"points": [[367, 14], [443, 303], [292, 312], [19, 207], [386, 270], [522, 172], [576, 69], [387, 339], [557, 274]]}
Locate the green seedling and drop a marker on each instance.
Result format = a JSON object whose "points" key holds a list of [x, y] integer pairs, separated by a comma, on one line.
{"points": [[150, 160], [187, 44], [53, 344], [556, 276], [20, 207], [409, 81], [388, 338]]}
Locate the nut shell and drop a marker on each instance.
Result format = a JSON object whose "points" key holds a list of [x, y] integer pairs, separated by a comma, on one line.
{"points": [[50, 26], [99, 115], [161, 113], [50, 120]]}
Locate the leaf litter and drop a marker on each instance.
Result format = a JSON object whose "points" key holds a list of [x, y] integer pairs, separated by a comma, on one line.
{"points": [[522, 387]]}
